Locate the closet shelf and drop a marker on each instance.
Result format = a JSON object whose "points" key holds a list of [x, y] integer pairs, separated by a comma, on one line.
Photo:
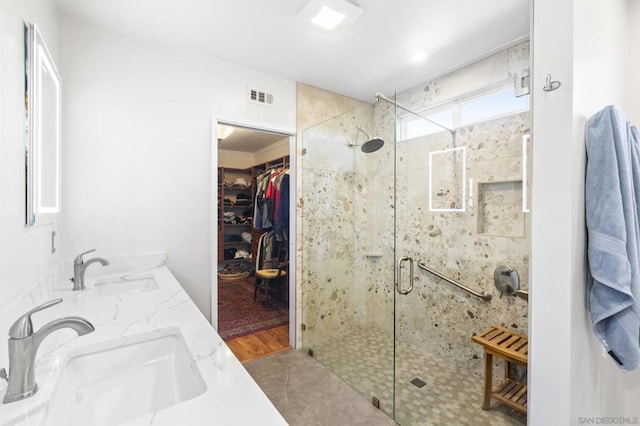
{"points": [[248, 175]]}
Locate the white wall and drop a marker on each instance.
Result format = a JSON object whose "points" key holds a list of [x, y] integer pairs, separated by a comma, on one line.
{"points": [[633, 71], [584, 45], [236, 159], [137, 134], [551, 213], [631, 383], [25, 252], [273, 152], [600, 65]]}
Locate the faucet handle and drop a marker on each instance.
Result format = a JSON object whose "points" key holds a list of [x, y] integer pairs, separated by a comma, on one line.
{"points": [[23, 327], [78, 260]]}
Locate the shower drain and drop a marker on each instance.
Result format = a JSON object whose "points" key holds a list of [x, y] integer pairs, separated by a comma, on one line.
{"points": [[417, 382]]}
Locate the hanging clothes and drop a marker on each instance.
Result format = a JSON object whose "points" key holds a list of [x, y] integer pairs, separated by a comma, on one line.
{"points": [[267, 198], [282, 211], [270, 201], [261, 187], [612, 211]]}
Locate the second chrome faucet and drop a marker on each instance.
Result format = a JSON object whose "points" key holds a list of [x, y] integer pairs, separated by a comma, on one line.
{"points": [[80, 267]]}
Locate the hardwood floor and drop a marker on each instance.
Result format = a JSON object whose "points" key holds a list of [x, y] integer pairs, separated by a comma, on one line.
{"points": [[260, 344]]}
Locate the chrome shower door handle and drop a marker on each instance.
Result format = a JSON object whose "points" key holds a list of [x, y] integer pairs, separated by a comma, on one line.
{"points": [[399, 276]]}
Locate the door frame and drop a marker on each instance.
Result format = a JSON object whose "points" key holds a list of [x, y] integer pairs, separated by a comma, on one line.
{"points": [[213, 215]]}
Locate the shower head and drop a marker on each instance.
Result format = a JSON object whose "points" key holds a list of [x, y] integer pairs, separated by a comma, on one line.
{"points": [[371, 145]]}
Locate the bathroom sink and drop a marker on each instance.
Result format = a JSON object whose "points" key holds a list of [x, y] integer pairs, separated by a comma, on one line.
{"points": [[114, 287], [120, 380]]}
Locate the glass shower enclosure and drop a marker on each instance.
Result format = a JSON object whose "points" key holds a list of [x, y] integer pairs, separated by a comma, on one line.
{"points": [[374, 222]]}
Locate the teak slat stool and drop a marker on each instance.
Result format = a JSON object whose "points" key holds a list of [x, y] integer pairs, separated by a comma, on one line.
{"points": [[511, 347]]}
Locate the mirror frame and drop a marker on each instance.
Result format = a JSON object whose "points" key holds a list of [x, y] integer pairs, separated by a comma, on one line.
{"points": [[42, 132]]}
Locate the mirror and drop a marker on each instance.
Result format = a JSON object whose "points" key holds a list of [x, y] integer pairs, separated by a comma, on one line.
{"points": [[42, 121]]}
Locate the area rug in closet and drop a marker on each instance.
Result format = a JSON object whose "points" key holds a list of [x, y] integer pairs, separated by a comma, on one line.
{"points": [[238, 315]]}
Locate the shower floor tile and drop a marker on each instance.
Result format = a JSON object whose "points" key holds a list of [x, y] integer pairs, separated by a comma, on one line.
{"points": [[452, 394]]}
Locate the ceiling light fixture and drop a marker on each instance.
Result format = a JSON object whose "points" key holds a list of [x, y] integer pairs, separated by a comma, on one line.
{"points": [[328, 15], [328, 18], [419, 56]]}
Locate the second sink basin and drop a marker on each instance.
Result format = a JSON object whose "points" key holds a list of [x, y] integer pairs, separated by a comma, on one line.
{"points": [[113, 287], [116, 381]]}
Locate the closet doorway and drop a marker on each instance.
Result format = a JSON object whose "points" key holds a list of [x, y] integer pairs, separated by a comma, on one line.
{"points": [[255, 291]]}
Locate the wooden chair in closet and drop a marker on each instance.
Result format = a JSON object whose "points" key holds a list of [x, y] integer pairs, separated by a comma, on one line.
{"points": [[271, 270]]}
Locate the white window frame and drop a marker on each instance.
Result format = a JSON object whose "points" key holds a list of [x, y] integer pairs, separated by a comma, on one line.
{"points": [[455, 105]]}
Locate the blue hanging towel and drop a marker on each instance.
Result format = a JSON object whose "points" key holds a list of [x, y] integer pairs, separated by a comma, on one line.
{"points": [[613, 273]]}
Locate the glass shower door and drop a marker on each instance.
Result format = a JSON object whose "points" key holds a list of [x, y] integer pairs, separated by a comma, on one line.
{"points": [[429, 193], [347, 250], [459, 211], [372, 219]]}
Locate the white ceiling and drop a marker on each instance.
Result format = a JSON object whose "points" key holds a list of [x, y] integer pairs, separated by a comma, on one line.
{"points": [[371, 55], [247, 140]]}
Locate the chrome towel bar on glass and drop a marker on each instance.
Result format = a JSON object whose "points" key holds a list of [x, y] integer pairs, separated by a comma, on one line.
{"points": [[484, 296]]}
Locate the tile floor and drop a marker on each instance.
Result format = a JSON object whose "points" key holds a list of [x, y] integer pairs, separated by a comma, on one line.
{"points": [[452, 395], [307, 394]]}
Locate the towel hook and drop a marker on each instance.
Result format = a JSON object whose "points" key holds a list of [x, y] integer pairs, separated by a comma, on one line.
{"points": [[551, 85]]}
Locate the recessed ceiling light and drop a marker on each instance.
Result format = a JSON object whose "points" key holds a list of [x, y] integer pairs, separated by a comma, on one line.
{"points": [[328, 18], [419, 56], [329, 15]]}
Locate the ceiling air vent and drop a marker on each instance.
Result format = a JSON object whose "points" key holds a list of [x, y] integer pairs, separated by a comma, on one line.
{"points": [[260, 97]]}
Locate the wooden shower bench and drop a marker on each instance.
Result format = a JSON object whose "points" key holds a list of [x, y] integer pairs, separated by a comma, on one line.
{"points": [[512, 347]]}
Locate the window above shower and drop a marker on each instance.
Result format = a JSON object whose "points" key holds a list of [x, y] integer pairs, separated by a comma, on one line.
{"points": [[474, 108]]}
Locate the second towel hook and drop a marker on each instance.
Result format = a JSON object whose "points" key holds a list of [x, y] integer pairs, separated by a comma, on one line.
{"points": [[551, 85]]}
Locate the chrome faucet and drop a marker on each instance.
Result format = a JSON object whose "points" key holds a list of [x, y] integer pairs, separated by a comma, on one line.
{"points": [[80, 267], [23, 346]]}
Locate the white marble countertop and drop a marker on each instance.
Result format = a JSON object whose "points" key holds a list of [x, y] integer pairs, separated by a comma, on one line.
{"points": [[231, 397]]}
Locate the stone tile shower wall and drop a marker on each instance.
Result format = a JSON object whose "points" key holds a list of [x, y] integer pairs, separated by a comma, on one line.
{"points": [[437, 315], [466, 246], [347, 216], [333, 213]]}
